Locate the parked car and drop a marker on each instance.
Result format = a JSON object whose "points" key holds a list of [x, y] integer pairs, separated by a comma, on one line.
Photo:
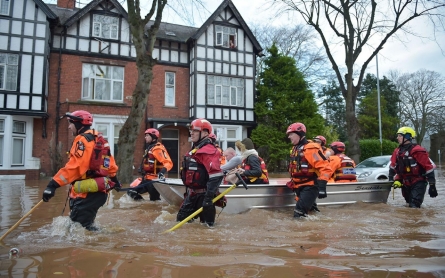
{"points": [[377, 169], [373, 169]]}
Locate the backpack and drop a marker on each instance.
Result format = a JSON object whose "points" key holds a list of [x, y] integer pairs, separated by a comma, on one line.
{"points": [[100, 157]]}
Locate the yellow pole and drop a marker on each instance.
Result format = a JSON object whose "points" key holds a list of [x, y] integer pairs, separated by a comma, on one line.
{"points": [[199, 210], [21, 219]]}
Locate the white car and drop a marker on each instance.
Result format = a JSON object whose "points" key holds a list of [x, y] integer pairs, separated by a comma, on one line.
{"points": [[373, 169]]}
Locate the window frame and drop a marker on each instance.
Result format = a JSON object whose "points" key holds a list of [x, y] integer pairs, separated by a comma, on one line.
{"points": [[91, 81], [170, 86], [223, 93], [112, 27], [18, 135], [225, 34], [6, 69]]}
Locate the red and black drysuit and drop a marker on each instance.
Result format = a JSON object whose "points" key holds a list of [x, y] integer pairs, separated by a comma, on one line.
{"points": [[202, 175]]}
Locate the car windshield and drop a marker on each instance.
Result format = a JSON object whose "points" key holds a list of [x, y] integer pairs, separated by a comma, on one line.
{"points": [[374, 162]]}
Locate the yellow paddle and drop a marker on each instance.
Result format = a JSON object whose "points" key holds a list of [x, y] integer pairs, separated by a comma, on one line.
{"points": [[213, 201], [21, 219]]}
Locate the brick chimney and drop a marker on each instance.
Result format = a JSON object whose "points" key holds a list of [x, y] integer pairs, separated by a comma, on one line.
{"points": [[66, 4]]}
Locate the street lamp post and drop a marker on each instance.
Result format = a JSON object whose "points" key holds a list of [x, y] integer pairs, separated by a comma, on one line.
{"points": [[378, 104]]}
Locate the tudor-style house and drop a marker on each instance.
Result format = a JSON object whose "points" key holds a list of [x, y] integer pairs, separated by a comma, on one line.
{"points": [[87, 62]]}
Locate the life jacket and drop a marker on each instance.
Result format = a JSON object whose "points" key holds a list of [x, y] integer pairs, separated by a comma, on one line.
{"points": [[408, 168], [346, 170], [100, 157], [300, 170], [149, 163], [264, 178], [194, 174]]}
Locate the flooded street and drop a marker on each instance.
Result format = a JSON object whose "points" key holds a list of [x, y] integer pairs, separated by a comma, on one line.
{"points": [[359, 240]]}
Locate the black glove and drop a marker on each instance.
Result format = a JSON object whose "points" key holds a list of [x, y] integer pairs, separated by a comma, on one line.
{"points": [[207, 202], [50, 190], [432, 190], [161, 174], [322, 189], [117, 184]]}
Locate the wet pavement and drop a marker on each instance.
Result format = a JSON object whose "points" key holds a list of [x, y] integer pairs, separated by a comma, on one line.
{"points": [[358, 240]]}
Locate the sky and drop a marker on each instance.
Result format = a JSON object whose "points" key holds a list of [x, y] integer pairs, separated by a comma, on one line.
{"points": [[415, 54]]}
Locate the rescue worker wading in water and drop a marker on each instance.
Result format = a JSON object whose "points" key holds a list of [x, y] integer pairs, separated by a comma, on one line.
{"points": [[155, 163], [411, 169], [201, 174], [309, 170], [83, 206]]}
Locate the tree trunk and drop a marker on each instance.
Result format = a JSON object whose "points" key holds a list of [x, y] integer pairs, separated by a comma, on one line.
{"points": [[352, 124]]}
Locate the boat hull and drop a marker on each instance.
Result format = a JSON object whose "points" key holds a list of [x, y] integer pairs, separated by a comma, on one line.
{"points": [[278, 195]]}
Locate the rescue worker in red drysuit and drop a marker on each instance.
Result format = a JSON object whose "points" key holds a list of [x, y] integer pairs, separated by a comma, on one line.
{"points": [[309, 170], [83, 206], [155, 164], [411, 169], [201, 174], [253, 169], [342, 165]]}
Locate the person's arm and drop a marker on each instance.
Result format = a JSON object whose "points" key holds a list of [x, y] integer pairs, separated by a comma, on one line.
{"points": [[232, 163]]}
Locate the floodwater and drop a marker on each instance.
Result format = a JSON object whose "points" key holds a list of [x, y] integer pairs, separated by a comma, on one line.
{"points": [[358, 240]]}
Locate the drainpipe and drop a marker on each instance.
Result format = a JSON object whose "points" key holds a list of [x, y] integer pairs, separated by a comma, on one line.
{"points": [[59, 74]]}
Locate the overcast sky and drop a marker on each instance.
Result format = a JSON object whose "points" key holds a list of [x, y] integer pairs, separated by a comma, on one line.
{"points": [[416, 54]]}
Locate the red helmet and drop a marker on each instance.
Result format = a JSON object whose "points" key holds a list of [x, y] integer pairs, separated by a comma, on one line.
{"points": [[81, 116], [321, 138], [339, 146], [153, 132], [201, 124], [298, 128]]}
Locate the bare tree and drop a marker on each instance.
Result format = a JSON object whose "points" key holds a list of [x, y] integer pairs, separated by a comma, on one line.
{"points": [[298, 42], [143, 37], [360, 27], [422, 101], [143, 42]]}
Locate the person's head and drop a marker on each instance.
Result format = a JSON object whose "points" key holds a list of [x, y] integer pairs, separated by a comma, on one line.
{"points": [[320, 140], [296, 132], [229, 153], [338, 147], [200, 129], [213, 137], [151, 135], [79, 121], [405, 135], [245, 144]]}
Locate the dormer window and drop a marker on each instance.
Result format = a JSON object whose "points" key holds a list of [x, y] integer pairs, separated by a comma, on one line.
{"points": [[106, 27], [225, 36]]}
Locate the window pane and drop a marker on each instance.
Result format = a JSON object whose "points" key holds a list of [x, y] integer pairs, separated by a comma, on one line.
{"points": [[240, 97], [102, 90], [170, 78], [117, 129], [117, 90], [17, 151], [2, 125], [11, 78], [1, 150], [96, 29], [218, 95], [13, 59], [231, 134], [2, 76], [114, 31], [4, 7], [19, 127], [85, 88], [210, 94], [169, 96], [232, 95], [118, 73], [101, 128], [225, 96]]}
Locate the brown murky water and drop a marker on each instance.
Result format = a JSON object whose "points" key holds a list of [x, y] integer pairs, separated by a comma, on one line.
{"points": [[359, 240]]}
